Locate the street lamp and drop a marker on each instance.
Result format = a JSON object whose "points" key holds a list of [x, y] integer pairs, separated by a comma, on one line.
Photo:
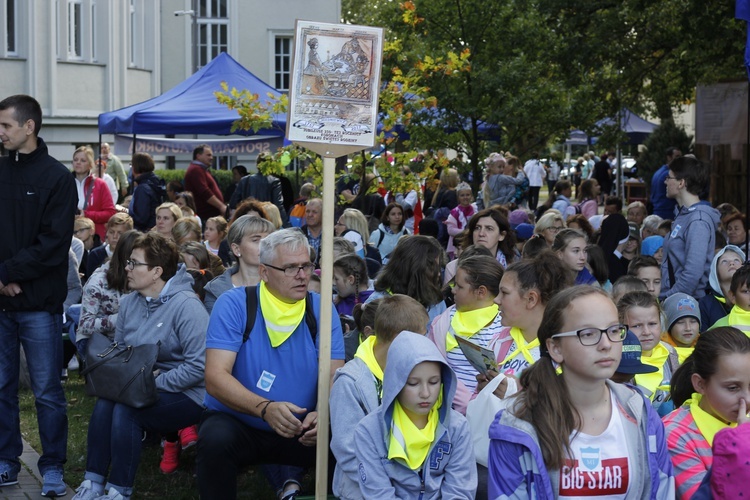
{"points": [[193, 33]]}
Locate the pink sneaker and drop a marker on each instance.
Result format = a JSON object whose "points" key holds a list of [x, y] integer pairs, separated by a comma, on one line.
{"points": [[170, 460], [188, 436]]}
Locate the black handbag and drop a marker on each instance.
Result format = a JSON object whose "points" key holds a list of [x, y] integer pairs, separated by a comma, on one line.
{"points": [[121, 373]]}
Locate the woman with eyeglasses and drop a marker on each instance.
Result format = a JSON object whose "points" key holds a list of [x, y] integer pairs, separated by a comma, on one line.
{"points": [[244, 238], [549, 225], [163, 309], [575, 433]]}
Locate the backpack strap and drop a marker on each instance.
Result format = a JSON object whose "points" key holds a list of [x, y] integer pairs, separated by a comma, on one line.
{"points": [[381, 238], [251, 300]]}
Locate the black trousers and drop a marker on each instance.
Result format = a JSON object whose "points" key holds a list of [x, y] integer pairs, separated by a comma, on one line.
{"points": [[226, 445]]}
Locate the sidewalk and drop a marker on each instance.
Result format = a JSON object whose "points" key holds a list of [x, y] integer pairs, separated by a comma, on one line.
{"points": [[29, 479]]}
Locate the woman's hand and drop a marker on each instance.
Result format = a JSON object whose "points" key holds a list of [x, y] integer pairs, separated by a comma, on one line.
{"points": [[484, 378]]}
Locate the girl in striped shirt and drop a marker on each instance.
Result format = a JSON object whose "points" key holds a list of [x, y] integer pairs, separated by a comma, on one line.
{"points": [[709, 386]]}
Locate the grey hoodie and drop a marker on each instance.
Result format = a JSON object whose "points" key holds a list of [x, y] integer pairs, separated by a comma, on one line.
{"points": [[690, 247], [177, 321], [449, 471]]}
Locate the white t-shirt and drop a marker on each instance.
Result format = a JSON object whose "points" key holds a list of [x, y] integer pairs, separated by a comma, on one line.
{"points": [[535, 172], [600, 467]]}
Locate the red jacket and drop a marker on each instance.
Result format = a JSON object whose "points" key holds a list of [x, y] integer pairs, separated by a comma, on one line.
{"points": [[98, 207]]}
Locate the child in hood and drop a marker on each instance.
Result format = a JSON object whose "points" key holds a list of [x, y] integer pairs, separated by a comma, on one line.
{"points": [[415, 445]]}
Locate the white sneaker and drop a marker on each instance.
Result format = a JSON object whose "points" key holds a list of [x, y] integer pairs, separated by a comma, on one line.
{"points": [[113, 494], [86, 491]]}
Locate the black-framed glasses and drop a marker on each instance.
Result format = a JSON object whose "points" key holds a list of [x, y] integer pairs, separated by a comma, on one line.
{"points": [[292, 271], [670, 177], [78, 231], [592, 336], [131, 264]]}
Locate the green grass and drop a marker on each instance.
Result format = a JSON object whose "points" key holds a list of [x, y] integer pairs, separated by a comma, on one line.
{"points": [[149, 481]]}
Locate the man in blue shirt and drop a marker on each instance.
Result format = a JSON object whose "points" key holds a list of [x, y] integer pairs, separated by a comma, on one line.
{"points": [[261, 378]]}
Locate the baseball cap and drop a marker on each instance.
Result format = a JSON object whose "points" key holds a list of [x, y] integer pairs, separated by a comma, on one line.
{"points": [[680, 305], [524, 231], [634, 231], [630, 362]]}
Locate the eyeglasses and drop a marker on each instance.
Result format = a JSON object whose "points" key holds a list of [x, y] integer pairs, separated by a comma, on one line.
{"points": [[670, 177], [132, 264], [339, 223], [555, 229], [592, 336], [78, 231], [293, 271]]}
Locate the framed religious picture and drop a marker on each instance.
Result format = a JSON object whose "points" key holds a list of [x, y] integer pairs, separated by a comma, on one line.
{"points": [[333, 98]]}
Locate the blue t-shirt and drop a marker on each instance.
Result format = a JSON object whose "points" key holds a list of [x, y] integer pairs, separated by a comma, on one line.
{"points": [[285, 373]]}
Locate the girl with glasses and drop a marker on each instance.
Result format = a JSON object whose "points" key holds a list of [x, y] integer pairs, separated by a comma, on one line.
{"points": [[576, 433]]}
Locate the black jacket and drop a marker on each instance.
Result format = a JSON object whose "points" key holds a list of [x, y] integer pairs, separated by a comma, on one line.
{"points": [[38, 201], [262, 188]]}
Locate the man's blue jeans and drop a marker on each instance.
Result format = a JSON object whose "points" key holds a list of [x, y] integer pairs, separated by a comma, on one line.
{"points": [[40, 334]]}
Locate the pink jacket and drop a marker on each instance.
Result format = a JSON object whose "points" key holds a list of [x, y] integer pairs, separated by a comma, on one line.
{"points": [[731, 449], [99, 206]]}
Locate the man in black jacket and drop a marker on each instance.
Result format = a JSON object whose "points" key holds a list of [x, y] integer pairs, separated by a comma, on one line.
{"points": [[38, 200], [262, 188]]}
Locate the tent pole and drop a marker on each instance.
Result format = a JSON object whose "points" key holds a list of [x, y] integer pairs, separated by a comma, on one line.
{"points": [[747, 166], [99, 167]]}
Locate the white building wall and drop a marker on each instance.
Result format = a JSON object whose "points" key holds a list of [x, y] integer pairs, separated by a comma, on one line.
{"points": [[73, 91]]}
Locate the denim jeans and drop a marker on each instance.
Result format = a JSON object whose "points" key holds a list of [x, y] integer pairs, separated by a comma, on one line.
{"points": [[116, 430], [40, 334]]}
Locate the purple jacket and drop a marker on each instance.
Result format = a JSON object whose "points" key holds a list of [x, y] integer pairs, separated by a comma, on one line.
{"points": [[517, 469]]}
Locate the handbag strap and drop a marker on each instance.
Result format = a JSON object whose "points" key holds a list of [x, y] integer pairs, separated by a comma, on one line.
{"points": [[105, 358]]}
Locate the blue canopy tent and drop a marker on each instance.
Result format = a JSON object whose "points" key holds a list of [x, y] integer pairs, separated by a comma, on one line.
{"points": [[192, 108]]}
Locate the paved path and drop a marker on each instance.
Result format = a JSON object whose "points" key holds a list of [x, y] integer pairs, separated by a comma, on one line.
{"points": [[29, 479]]}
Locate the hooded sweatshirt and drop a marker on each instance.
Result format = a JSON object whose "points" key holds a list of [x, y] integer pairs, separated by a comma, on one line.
{"points": [[517, 469], [713, 305], [177, 321], [354, 395], [449, 471], [689, 248]]}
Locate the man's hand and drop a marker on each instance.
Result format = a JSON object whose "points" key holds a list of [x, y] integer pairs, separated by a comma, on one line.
{"points": [[11, 289], [310, 429], [280, 417]]}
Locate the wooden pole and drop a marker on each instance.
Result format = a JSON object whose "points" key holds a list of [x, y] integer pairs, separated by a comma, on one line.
{"points": [[326, 305]]}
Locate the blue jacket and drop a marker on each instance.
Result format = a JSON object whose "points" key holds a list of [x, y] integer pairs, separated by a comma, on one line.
{"points": [[148, 194], [517, 469], [449, 471]]}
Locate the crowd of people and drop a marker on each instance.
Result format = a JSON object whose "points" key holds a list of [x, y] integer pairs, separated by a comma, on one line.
{"points": [[497, 348]]}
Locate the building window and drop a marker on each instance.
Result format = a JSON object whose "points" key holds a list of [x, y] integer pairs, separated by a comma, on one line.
{"points": [[282, 62], [213, 27], [74, 29], [11, 21]]}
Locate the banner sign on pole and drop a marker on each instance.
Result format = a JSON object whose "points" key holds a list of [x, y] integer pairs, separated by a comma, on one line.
{"points": [[334, 94]]}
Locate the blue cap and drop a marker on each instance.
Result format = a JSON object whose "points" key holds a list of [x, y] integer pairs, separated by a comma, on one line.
{"points": [[631, 357], [524, 231]]}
